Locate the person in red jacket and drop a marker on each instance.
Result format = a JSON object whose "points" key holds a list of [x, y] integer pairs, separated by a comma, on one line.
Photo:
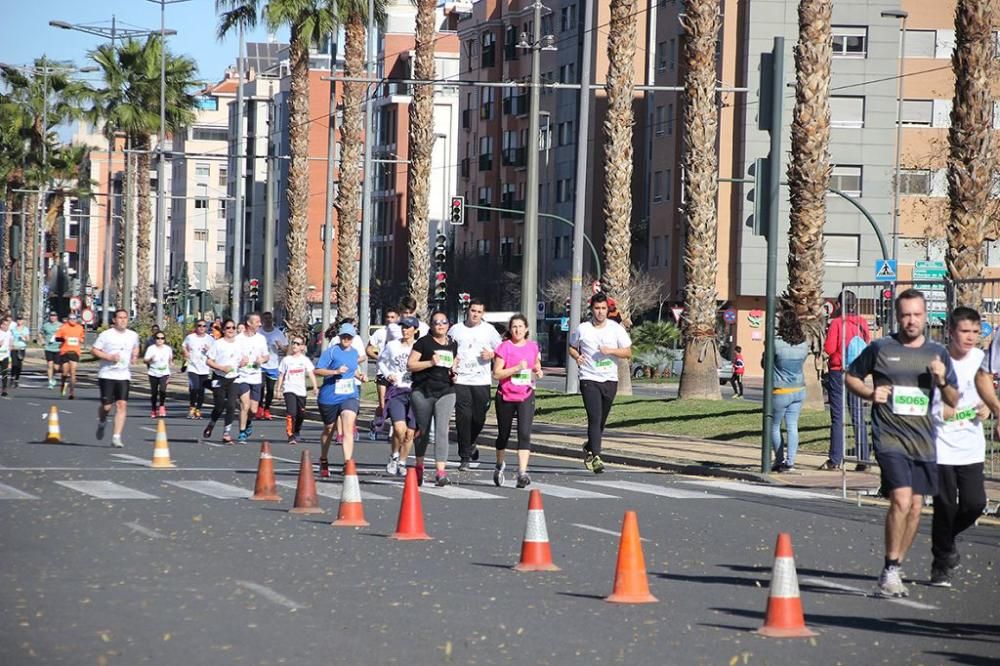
{"points": [[843, 329]]}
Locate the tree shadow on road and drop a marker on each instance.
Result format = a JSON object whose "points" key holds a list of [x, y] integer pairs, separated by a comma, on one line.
{"points": [[968, 659], [93, 446], [715, 580], [816, 573]]}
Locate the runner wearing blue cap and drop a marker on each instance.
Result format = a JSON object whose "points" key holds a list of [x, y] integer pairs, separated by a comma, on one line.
{"points": [[339, 396]]}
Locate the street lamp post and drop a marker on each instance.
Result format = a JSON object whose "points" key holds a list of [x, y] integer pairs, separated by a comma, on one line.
{"points": [[902, 16], [365, 272]]}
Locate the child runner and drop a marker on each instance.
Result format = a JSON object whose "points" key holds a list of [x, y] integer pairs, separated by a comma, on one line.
{"points": [[739, 367], [70, 336], [292, 372], [158, 358], [224, 358], [517, 365], [392, 366], [432, 363]]}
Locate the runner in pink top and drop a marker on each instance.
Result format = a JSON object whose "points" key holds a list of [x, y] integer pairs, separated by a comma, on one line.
{"points": [[516, 366]]}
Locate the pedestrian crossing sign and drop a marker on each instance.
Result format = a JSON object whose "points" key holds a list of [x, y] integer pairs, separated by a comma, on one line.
{"points": [[885, 270]]}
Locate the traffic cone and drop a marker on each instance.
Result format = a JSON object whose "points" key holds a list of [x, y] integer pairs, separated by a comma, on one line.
{"points": [[306, 500], [161, 449], [351, 512], [264, 488], [53, 436], [535, 552], [631, 586], [410, 526], [784, 617]]}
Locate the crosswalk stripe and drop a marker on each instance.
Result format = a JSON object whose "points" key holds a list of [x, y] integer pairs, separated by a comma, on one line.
{"points": [[333, 490], [132, 460], [457, 492], [105, 490], [570, 493], [649, 489], [213, 489], [770, 491], [7, 492]]}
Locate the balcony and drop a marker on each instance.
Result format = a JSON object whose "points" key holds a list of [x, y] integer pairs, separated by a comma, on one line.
{"points": [[485, 162], [464, 167], [516, 104], [514, 157], [466, 118]]}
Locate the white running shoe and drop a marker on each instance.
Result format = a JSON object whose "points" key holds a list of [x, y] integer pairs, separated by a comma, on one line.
{"points": [[890, 584], [392, 466], [116, 441]]}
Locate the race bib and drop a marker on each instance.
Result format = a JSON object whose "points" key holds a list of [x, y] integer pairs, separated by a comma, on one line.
{"points": [[909, 401], [73, 341], [967, 414], [160, 368], [604, 364], [445, 359], [344, 387], [521, 378], [53, 340]]}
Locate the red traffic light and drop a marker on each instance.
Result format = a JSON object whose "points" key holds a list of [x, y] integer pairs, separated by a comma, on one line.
{"points": [[456, 202], [440, 276], [887, 294]]}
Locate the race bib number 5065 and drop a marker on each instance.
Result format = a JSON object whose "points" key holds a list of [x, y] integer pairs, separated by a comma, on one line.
{"points": [[909, 401]]}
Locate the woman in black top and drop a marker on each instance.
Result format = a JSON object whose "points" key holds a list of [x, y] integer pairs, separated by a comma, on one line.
{"points": [[432, 365]]}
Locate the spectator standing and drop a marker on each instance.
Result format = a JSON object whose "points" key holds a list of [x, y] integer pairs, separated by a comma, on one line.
{"points": [[846, 336]]}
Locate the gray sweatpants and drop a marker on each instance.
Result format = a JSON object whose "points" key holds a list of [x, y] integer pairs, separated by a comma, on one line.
{"points": [[440, 409]]}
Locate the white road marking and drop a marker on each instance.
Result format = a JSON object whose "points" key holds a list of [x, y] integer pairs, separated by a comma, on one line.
{"points": [[457, 492], [602, 530], [7, 492], [650, 489], [270, 594], [34, 404], [213, 489], [820, 582], [153, 534], [131, 460], [65, 411], [570, 493], [105, 490], [148, 428], [333, 490], [770, 491]]}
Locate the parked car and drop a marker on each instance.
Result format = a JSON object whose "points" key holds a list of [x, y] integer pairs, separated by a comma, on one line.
{"points": [[725, 371]]}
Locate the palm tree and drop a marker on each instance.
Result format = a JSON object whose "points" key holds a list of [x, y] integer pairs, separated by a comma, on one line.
{"points": [[699, 378], [12, 154], [308, 21], [420, 150], [809, 175], [970, 156], [69, 179]]}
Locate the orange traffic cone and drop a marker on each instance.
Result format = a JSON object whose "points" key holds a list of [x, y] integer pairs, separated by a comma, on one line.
{"points": [[264, 488], [351, 512], [535, 552], [784, 617], [161, 449], [53, 436], [410, 526], [306, 500], [631, 586]]}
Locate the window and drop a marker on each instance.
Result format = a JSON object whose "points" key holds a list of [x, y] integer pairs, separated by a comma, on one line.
{"points": [[510, 40], [200, 203], [202, 171], [917, 112], [223, 205], [670, 119], [557, 248], [220, 247], [668, 184], [847, 179], [567, 18], [565, 135], [486, 99], [658, 186], [661, 56], [847, 111], [486, 196], [920, 44], [470, 53], [200, 235], [547, 25], [659, 120], [210, 134], [850, 42], [483, 247], [201, 197], [915, 182], [842, 250], [564, 190], [223, 176], [672, 53], [567, 73], [487, 58], [485, 153]]}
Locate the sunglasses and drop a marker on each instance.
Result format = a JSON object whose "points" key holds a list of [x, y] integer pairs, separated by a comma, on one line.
{"points": [[440, 322], [159, 338], [228, 328], [297, 342], [200, 325]]}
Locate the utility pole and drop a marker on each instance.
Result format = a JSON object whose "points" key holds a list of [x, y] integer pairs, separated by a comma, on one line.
{"points": [[128, 240], [331, 197], [269, 217], [580, 201], [238, 214], [36, 288], [365, 277]]}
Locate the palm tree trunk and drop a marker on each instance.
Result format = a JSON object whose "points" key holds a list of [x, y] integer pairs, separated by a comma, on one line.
{"points": [[144, 223], [420, 150], [699, 378], [970, 157], [808, 180], [6, 274], [349, 195], [29, 254], [618, 165], [296, 305]]}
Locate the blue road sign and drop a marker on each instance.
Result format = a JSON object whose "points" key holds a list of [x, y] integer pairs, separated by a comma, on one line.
{"points": [[985, 329], [729, 316], [885, 270]]}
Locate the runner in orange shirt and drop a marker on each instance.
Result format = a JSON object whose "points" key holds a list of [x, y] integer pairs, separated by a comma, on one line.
{"points": [[70, 335]]}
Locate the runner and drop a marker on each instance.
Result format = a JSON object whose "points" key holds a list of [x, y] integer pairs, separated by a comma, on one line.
{"points": [[517, 365], [907, 370], [117, 348], [407, 308], [595, 346], [70, 336], [359, 347], [339, 396], [291, 384], [392, 366], [158, 359], [224, 358], [376, 343], [6, 342], [477, 341], [960, 444], [432, 364], [49, 329], [195, 347], [253, 348], [19, 347], [739, 368], [277, 344]]}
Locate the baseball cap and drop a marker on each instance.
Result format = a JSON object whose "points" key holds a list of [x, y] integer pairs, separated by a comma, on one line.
{"points": [[409, 322], [347, 329]]}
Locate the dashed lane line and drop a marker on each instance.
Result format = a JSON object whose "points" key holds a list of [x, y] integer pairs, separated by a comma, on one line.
{"points": [[820, 582], [8, 492], [152, 534], [270, 595], [602, 530]]}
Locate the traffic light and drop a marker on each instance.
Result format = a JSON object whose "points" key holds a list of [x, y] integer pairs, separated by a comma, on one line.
{"points": [[567, 304], [884, 312], [759, 196], [254, 288], [464, 299], [440, 286], [440, 251], [458, 210]]}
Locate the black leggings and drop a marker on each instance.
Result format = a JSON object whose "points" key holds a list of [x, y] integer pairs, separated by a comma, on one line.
{"points": [[525, 412], [597, 400], [196, 389], [268, 396], [158, 391], [225, 395], [5, 372], [16, 361], [295, 407], [737, 383], [472, 403]]}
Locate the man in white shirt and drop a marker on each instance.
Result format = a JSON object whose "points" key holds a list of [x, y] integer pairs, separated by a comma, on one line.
{"points": [[596, 346], [117, 349], [477, 341], [407, 308], [376, 343], [195, 347], [277, 344], [254, 348], [960, 443]]}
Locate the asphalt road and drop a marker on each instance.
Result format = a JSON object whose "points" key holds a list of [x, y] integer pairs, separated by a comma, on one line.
{"points": [[162, 572]]}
